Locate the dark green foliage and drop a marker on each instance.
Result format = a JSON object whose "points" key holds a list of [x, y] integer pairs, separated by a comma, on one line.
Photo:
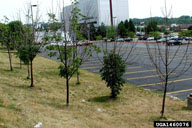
{"points": [[124, 28], [111, 33], [23, 54], [112, 72], [55, 26], [190, 28], [156, 35], [11, 36], [131, 27], [3, 34], [185, 33], [101, 30], [92, 32], [151, 27], [126, 23], [16, 31], [88, 28], [161, 20], [99, 37], [70, 69], [122, 31], [163, 29]]}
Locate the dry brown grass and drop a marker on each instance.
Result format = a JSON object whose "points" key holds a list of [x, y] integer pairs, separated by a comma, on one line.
{"points": [[23, 107]]}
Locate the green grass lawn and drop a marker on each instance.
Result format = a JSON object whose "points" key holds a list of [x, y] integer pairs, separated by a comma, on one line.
{"points": [[23, 107]]}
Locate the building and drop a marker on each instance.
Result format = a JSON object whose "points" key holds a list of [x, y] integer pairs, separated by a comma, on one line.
{"points": [[98, 11]]}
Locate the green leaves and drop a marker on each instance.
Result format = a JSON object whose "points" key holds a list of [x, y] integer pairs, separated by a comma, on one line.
{"points": [[112, 72], [185, 33], [23, 54], [156, 35], [111, 33], [152, 26], [70, 69]]}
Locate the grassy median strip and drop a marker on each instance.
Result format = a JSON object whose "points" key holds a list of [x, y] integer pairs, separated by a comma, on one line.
{"points": [[23, 107]]}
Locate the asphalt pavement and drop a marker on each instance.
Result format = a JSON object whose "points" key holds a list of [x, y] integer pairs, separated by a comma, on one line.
{"points": [[141, 72]]}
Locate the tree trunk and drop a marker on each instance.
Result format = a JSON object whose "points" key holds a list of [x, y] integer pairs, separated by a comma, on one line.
{"points": [[28, 72], [20, 64], [78, 77], [10, 58], [166, 79], [76, 56], [32, 74], [164, 97], [67, 84], [67, 75]]}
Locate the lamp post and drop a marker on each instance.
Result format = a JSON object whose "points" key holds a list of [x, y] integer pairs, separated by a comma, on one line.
{"points": [[114, 18], [32, 16], [111, 12]]}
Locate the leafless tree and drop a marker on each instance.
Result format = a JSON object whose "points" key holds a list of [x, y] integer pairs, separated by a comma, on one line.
{"points": [[164, 59]]}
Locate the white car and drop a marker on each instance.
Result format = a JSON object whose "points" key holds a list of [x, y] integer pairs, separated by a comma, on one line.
{"points": [[120, 40], [150, 38]]}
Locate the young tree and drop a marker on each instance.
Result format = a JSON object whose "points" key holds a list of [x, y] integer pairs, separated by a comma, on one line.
{"points": [[10, 37], [163, 59], [32, 43], [16, 33], [114, 56], [69, 54], [112, 72], [5, 40], [23, 54]]}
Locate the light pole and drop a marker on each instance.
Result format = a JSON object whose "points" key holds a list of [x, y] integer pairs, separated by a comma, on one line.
{"points": [[111, 12], [114, 18], [32, 16]]}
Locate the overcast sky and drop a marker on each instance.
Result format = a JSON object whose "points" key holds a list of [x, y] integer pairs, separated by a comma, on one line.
{"points": [[137, 8]]}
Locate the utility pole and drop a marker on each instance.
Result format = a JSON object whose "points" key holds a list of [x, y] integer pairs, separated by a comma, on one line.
{"points": [[111, 12]]}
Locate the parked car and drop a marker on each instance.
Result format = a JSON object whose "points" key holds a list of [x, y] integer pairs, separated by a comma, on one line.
{"points": [[110, 40], [188, 38], [176, 38], [143, 37], [174, 42], [150, 38], [81, 43], [120, 40], [161, 40], [128, 39]]}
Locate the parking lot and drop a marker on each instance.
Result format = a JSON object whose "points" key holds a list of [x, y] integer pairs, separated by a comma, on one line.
{"points": [[142, 73]]}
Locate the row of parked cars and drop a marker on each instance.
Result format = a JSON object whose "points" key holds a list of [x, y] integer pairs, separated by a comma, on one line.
{"points": [[171, 40], [124, 39], [70, 43]]}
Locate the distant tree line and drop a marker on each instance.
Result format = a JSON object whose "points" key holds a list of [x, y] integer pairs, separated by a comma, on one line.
{"points": [[123, 29], [161, 20]]}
